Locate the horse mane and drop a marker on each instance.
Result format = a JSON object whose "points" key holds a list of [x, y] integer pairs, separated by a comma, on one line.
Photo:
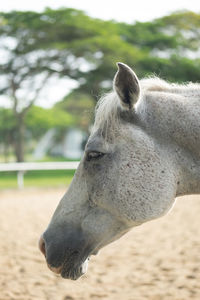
{"points": [[155, 84], [107, 110]]}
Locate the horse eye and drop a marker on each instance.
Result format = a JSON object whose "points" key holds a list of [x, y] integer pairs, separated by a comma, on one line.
{"points": [[94, 155]]}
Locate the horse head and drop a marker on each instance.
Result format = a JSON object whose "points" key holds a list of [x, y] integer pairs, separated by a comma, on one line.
{"points": [[128, 175]]}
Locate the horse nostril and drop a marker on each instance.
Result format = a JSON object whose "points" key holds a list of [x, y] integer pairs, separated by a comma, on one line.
{"points": [[42, 246]]}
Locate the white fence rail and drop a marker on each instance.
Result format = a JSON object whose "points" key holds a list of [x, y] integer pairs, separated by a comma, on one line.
{"points": [[21, 168]]}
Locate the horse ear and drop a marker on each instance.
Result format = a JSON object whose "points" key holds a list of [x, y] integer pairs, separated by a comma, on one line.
{"points": [[126, 85]]}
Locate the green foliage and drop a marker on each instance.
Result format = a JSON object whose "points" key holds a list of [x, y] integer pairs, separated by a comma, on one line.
{"points": [[7, 121], [184, 27], [171, 44], [180, 29], [7, 126], [39, 120], [80, 106], [68, 43]]}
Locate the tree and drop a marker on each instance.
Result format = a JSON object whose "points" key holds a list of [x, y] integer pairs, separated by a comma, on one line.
{"points": [[62, 43], [66, 43], [7, 130], [39, 120], [35, 47], [80, 106], [171, 44]]}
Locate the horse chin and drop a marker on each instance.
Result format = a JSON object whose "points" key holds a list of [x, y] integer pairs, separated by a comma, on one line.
{"points": [[76, 271], [72, 273], [73, 266]]}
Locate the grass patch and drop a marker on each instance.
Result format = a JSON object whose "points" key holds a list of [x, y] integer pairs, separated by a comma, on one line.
{"points": [[53, 158], [43, 178]]}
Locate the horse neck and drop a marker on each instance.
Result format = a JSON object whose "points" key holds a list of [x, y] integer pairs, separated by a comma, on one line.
{"points": [[174, 120]]}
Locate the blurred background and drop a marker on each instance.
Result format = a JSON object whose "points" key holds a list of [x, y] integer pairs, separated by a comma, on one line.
{"points": [[56, 60]]}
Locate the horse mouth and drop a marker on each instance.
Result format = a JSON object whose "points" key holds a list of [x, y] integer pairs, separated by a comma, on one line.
{"points": [[69, 271]]}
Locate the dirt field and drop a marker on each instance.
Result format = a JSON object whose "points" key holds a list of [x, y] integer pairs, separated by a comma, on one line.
{"points": [[159, 260]]}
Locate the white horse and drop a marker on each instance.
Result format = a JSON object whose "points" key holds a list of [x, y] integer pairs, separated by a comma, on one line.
{"points": [[143, 152]]}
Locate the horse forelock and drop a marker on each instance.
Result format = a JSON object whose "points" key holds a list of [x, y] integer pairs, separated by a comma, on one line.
{"points": [[107, 114]]}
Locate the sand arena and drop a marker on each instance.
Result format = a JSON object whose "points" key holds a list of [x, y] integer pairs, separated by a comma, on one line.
{"points": [[159, 260]]}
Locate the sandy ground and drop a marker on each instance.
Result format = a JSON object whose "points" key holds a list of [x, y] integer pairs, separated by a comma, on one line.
{"points": [[159, 260]]}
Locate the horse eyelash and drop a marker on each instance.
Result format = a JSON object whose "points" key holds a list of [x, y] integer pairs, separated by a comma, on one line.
{"points": [[97, 155]]}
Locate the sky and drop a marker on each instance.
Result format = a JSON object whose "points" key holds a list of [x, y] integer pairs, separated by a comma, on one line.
{"points": [[126, 11]]}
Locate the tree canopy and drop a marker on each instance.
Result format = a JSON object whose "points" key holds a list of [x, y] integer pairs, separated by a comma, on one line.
{"points": [[66, 43]]}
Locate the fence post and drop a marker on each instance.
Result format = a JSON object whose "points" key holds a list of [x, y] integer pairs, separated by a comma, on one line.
{"points": [[20, 179]]}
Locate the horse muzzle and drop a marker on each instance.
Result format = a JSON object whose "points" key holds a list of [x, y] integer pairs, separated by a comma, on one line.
{"points": [[67, 256]]}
